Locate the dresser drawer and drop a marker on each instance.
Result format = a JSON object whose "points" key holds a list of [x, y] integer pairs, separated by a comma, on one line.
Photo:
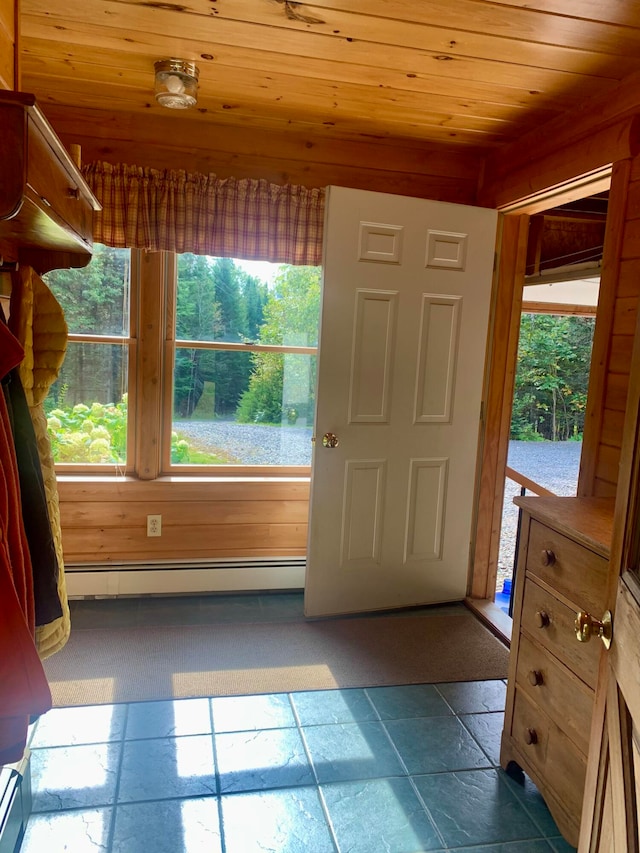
{"points": [[556, 690], [572, 570], [550, 753], [551, 624]]}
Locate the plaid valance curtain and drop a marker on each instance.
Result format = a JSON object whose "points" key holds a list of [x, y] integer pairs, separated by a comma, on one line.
{"points": [[188, 212]]}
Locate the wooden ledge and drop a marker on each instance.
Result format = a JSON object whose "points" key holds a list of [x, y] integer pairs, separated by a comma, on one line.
{"points": [[495, 619]]}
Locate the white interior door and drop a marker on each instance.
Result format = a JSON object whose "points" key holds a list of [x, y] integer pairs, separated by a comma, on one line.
{"points": [[403, 331]]}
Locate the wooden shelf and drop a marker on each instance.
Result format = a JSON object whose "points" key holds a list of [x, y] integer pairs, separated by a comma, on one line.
{"points": [[46, 207]]}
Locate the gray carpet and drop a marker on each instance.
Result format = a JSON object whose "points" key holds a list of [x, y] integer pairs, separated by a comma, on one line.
{"points": [[129, 664]]}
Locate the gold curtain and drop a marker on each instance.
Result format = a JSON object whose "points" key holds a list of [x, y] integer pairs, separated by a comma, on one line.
{"points": [[173, 211]]}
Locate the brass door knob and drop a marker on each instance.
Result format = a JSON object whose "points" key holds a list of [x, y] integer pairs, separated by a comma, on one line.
{"points": [[542, 619], [330, 440], [588, 627], [547, 557]]}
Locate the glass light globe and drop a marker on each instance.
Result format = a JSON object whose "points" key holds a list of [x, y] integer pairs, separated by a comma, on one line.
{"points": [[176, 83]]}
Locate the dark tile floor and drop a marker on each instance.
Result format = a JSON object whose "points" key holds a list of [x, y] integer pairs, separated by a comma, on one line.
{"points": [[393, 769]]}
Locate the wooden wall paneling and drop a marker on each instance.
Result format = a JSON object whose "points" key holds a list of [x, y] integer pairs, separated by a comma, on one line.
{"points": [[617, 386], [600, 388], [8, 35], [608, 463], [603, 489], [104, 519], [628, 279], [177, 514], [501, 365], [305, 158], [624, 315], [631, 242], [310, 145], [620, 353], [198, 542], [121, 489], [574, 156], [601, 131], [612, 425]]}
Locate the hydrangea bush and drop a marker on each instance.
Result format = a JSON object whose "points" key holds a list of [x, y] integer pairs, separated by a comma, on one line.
{"points": [[98, 434]]}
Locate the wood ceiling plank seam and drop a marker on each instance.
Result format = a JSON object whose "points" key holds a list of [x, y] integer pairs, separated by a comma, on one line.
{"points": [[462, 70], [593, 11], [353, 97], [38, 52], [306, 139], [446, 125], [544, 55], [449, 22]]}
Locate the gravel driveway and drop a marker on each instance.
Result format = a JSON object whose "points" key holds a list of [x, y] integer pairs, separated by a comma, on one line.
{"points": [[552, 465], [250, 444]]}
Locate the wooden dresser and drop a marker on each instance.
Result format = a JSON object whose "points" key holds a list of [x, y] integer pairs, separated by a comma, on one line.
{"points": [[562, 567]]}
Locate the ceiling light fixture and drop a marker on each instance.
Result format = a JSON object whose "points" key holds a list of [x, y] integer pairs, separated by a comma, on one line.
{"points": [[176, 83]]}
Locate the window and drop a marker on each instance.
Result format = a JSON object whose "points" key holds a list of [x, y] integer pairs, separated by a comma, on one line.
{"points": [[230, 344], [87, 405], [244, 363]]}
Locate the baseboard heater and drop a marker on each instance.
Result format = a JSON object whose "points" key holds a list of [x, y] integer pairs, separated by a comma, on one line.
{"points": [[175, 578]]}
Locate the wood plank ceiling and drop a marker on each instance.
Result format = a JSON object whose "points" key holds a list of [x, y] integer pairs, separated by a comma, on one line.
{"points": [[463, 76]]}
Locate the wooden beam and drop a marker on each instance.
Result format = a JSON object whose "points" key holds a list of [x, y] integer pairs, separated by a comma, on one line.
{"points": [[503, 350], [147, 403], [559, 309], [598, 377], [424, 170], [585, 141]]}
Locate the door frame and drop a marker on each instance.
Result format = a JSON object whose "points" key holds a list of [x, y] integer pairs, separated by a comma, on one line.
{"points": [[502, 355]]}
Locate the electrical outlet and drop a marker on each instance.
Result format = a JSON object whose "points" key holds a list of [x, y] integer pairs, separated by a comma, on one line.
{"points": [[154, 525]]}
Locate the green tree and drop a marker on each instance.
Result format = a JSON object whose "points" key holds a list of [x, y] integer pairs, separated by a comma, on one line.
{"points": [[95, 300], [197, 318], [229, 370], [282, 386], [552, 377], [255, 295], [216, 301]]}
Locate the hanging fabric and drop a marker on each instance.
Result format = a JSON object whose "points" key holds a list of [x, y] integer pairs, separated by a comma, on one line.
{"points": [[38, 322], [24, 691], [175, 211]]}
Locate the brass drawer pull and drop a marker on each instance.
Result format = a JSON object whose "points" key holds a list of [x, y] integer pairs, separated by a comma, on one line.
{"points": [[547, 557], [542, 619], [535, 677], [530, 737]]}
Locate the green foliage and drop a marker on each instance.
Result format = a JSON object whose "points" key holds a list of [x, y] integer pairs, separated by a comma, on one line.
{"points": [[98, 434], [95, 433], [95, 300], [282, 387], [552, 377], [216, 301]]}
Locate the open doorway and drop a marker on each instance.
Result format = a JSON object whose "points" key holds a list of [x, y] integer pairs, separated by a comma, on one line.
{"points": [[557, 322]]}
